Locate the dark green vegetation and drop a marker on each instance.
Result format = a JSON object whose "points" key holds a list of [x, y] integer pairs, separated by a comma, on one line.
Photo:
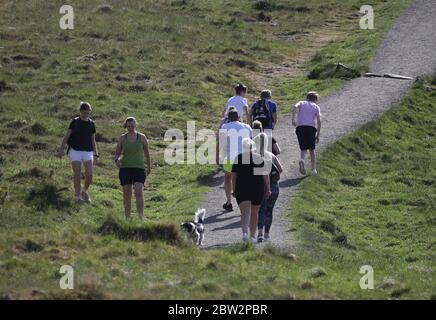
{"points": [[163, 62]]}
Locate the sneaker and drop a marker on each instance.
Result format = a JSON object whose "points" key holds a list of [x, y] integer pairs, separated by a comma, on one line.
{"points": [[85, 196], [314, 172], [260, 238], [266, 237], [253, 239], [228, 207], [302, 167], [244, 237], [79, 199]]}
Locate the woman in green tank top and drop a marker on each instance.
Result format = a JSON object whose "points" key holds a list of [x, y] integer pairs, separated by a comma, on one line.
{"points": [[131, 157]]}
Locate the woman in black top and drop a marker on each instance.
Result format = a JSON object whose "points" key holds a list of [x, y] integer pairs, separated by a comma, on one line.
{"points": [[82, 148], [251, 185]]}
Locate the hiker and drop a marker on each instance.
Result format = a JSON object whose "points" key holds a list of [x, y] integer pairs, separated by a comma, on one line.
{"points": [[230, 143], [251, 186], [257, 127], [82, 148], [130, 156], [307, 131], [239, 102], [267, 206], [265, 111]]}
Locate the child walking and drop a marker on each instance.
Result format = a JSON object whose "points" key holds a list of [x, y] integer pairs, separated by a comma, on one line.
{"points": [[308, 125]]}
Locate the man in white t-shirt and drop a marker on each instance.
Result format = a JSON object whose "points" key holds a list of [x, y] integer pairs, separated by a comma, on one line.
{"points": [[231, 135], [239, 102]]}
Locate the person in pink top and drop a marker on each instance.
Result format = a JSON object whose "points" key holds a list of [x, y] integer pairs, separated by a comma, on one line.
{"points": [[308, 125]]}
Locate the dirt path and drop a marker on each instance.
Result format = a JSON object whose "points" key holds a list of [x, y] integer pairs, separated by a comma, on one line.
{"points": [[408, 49]]}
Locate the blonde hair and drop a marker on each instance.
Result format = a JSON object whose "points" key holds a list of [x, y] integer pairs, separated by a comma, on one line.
{"points": [[248, 145], [261, 141], [257, 125], [312, 96]]}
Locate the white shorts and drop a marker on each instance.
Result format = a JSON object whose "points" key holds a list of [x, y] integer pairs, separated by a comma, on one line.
{"points": [[81, 156]]}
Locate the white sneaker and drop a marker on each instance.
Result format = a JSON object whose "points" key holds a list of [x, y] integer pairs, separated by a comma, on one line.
{"points": [[253, 240], [314, 172], [302, 167], [244, 237]]}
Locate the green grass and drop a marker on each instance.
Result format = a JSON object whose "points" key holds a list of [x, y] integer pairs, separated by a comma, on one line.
{"points": [[164, 62], [372, 204]]}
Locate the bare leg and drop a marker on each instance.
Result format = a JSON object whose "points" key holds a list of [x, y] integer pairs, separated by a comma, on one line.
{"points": [[139, 195], [245, 208], [228, 186], [253, 219], [127, 195], [76, 165], [313, 159], [88, 174], [303, 155]]}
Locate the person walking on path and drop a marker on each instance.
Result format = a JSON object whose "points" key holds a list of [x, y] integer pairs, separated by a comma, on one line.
{"points": [[257, 127], [130, 156], [82, 148], [307, 112], [230, 144], [267, 206], [251, 186], [265, 111], [239, 102]]}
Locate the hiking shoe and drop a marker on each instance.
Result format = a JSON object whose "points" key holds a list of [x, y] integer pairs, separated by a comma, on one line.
{"points": [[266, 237], [314, 172], [228, 207], [302, 167], [260, 238]]}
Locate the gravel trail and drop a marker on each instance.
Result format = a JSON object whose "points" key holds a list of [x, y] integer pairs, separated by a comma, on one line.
{"points": [[409, 48]]}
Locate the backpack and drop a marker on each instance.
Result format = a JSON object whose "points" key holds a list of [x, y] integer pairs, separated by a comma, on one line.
{"points": [[262, 113]]}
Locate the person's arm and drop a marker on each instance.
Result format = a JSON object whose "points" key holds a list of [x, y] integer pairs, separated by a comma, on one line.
{"points": [[234, 177], [294, 113], [246, 113], [274, 118], [94, 148], [146, 153], [118, 152], [276, 149], [267, 186], [221, 144], [250, 117], [318, 127], [278, 164], [64, 142]]}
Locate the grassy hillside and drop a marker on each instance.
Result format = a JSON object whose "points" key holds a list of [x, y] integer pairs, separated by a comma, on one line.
{"points": [[163, 62], [374, 204]]}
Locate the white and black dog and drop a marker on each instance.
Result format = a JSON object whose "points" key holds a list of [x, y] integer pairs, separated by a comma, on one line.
{"points": [[195, 228]]}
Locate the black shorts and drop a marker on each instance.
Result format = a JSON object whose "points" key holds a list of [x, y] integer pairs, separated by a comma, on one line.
{"points": [[131, 175], [250, 193], [306, 137]]}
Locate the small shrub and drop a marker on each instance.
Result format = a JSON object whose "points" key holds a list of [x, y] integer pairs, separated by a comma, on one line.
{"points": [[37, 129], [164, 232], [353, 182], [47, 195]]}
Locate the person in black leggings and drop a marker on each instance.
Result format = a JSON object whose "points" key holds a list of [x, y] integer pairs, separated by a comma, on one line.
{"points": [[251, 185]]}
